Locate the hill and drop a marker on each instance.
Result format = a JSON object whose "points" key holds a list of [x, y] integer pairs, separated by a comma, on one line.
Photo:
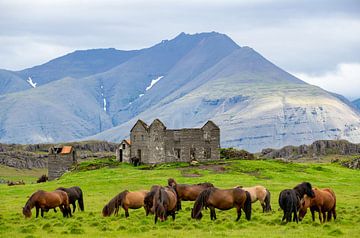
{"points": [[357, 103], [184, 82], [99, 186]]}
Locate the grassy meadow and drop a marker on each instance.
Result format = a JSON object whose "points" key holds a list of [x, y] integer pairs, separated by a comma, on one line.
{"points": [[101, 184]]}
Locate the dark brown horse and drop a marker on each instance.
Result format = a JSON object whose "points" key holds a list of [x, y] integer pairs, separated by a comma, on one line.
{"points": [[42, 179], [47, 200], [289, 200], [187, 192], [149, 199], [223, 199], [165, 201], [126, 200], [323, 202], [74, 194]]}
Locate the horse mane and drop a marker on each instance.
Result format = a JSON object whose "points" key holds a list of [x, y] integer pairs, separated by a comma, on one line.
{"points": [[200, 202], [206, 184], [30, 201], [110, 207], [171, 180]]}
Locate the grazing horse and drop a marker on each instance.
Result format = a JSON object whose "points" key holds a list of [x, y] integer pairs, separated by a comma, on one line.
{"points": [[126, 200], [324, 201], [74, 194], [289, 200], [260, 193], [165, 201], [223, 199], [149, 199], [187, 192], [47, 200]]}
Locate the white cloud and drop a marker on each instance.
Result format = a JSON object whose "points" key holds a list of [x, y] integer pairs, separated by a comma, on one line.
{"points": [[344, 80]]}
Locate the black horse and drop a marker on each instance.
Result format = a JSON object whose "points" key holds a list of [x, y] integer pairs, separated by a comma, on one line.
{"points": [[289, 200], [74, 194]]}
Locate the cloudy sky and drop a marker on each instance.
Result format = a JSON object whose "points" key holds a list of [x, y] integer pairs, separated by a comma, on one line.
{"points": [[318, 41]]}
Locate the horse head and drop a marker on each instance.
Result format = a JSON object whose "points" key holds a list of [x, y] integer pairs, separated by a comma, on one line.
{"points": [[171, 182], [105, 211], [27, 211]]}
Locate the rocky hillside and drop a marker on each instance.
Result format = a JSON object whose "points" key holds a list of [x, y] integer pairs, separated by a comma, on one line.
{"points": [[35, 155], [317, 148]]}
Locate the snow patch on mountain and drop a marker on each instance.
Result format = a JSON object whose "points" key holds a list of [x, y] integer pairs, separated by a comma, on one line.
{"points": [[153, 82], [31, 82]]}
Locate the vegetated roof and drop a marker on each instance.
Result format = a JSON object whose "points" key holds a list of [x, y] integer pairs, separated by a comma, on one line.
{"points": [[66, 149]]}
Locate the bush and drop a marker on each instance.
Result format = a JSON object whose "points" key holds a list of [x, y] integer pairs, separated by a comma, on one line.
{"points": [[231, 153]]}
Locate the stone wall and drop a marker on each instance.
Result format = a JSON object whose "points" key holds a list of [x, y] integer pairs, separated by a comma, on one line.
{"points": [[159, 144], [58, 164]]}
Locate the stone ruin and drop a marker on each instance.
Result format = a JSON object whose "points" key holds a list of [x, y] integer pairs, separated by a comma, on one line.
{"points": [[61, 159]]}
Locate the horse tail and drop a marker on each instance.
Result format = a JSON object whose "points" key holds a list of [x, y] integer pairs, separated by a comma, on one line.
{"points": [[247, 206], [267, 201], [81, 200], [200, 202]]}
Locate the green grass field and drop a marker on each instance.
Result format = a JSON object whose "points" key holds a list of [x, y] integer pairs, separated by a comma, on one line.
{"points": [[100, 185]]}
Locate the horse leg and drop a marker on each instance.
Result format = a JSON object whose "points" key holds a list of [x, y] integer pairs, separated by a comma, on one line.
{"points": [[320, 212], [324, 216], [312, 213], [42, 212], [37, 211], [333, 213], [296, 216], [126, 212], [173, 215], [156, 218], [55, 210], [74, 206], [238, 213]]}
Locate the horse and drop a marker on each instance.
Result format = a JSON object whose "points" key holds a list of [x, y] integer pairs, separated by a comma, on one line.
{"points": [[223, 199], [324, 201], [74, 194], [126, 200], [165, 201], [289, 200], [187, 192], [260, 193], [149, 199], [47, 200]]}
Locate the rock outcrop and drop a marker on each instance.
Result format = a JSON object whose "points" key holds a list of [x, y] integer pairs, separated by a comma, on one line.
{"points": [[317, 148]]}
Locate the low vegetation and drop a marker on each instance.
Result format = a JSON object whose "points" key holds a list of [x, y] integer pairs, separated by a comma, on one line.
{"points": [[102, 180]]}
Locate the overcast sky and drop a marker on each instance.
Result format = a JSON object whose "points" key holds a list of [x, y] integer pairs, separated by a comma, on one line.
{"points": [[317, 40]]}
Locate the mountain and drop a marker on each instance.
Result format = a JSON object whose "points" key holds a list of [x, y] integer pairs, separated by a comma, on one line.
{"points": [[78, 64], [183, 82], [10, 82], [357, 103]]}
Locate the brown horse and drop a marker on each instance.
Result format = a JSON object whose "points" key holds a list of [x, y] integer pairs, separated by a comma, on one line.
{"points": [[47, 200], [126, 200], [223, 199], [149, 199], [165, 201], [260, 193], [187, 192], [324, 201]]}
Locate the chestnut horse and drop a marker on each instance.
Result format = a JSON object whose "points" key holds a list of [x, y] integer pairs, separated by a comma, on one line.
{"points": [[165, 201], [47, 200], [126, 200], [149, 199], [324, 201], [289, 200], [260, 193], [187, 192], [223, 199]]}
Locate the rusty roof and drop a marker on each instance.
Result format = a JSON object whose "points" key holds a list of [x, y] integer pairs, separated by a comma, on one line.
{"points": [[66, 149], [127, 141]]}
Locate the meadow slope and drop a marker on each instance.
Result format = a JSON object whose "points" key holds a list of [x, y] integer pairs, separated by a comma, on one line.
{"points": [[102, 184]]}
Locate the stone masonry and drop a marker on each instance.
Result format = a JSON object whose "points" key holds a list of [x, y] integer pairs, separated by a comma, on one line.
{"points": [[60, 160], [156, 144]]}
